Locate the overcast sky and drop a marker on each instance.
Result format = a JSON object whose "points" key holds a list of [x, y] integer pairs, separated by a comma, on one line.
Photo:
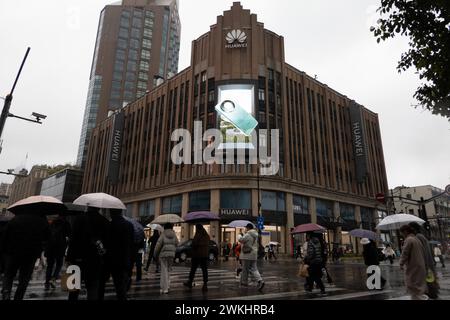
{"points": [[330, 39]]}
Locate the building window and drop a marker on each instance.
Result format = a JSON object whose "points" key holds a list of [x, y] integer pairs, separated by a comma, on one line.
{"points": [[347, 212], [172, 204], [235, 199], [367, 218], [147, 208], [131, 66], [199, 201], [261, 95], [135, 33], [324, 208], [121, 44], [145, 54], [144, 66], [147, 44], [273, 201], [132, 55], [300, 204]]}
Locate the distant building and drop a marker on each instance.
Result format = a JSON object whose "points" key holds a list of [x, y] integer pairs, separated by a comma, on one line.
{"points": [[138, 41], [437, 210], [5, 189], [3, 204], [64, 185], [29, 185]]}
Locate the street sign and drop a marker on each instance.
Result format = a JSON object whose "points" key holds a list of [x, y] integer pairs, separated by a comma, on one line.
{"points": [[260, 222], [380, 197], [447, 189]]}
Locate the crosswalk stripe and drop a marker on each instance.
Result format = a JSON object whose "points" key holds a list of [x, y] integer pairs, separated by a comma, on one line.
{"points": [[263, 296], [354, 295]]}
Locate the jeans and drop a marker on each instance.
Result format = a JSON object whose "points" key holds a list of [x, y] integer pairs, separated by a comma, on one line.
{"points": [[195, 263], [25, 266], [249, 268], [166, 267], [53, 261]]}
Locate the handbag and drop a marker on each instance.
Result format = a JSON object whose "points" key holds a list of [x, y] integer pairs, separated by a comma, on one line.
{"points": [[303, 271]]}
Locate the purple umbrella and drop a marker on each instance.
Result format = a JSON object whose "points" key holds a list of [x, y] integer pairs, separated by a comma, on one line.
{"points": [[362, 233], [201, 216]]}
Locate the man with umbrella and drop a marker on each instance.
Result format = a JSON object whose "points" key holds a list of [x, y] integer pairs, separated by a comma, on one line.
{"points": [[23, 241]]}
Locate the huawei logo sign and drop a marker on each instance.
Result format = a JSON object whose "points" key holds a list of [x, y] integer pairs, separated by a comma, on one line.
{"points": [[236, 39]]}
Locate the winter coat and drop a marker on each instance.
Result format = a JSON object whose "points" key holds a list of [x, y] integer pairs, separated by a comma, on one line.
{"points": [[412, 259], [57, 242], [370, 254], [25, 236], [314, 254], [428, 255], [166, 246], [87, 230], [249, 239], [121, 246], [200, 245]]}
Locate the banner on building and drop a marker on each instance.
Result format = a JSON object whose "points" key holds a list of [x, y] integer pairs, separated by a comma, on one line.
{"points": [[116, 148], [359, 141]]}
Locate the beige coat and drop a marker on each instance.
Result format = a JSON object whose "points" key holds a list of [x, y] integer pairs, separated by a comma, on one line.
{"points": [[413, 259]]}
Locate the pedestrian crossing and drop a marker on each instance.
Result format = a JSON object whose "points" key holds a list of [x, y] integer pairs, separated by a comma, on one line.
{"points": [[222, 285]]}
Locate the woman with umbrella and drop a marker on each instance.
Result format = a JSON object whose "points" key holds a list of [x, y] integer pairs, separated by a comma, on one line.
{"points": [[200, 248], [165, 251]]}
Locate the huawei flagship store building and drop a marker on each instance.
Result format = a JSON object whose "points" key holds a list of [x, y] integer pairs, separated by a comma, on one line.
{"points": [[331, 163]]}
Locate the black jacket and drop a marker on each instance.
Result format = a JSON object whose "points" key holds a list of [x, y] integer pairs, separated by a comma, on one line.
{"points": [[87, 230], [153, 241], [25, 236], [200, 245], [370, 254], [121, 246], [314, 254], [57, 242]]}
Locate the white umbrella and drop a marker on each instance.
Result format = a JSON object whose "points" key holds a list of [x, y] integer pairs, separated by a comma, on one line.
{"points": [[100, 200], [274, 243], [167, 218], [396, 221], [38, 204], [155, 226]]}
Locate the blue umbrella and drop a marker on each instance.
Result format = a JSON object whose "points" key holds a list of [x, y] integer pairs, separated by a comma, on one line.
{"points": [[139, 234], [362, 233]]}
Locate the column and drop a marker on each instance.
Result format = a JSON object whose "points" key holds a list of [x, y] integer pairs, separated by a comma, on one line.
{"points": [[158, 209], [255, 197], [215, 230], [357, 244], [135, 210], [290, 222], [312, 209], [185, 228], [338, 230]]}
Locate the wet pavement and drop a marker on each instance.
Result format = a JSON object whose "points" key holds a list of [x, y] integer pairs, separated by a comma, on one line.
{"points": [[282, 283]]}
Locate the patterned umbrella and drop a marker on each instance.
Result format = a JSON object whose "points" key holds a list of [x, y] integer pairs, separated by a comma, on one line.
{"points": [[308, 227], [362, 233]]}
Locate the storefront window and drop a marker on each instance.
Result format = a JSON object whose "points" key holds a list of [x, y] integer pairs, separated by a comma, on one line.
{"points": [[324, 208], [235, 199], [347, 212], [172, 204], [273, 201], [367, 218], [147, 208], [129, 211], [300, 204], [199, 201]]}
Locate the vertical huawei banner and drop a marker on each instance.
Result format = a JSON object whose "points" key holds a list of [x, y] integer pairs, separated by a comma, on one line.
{"points": [[116, 148], [359, 141]]}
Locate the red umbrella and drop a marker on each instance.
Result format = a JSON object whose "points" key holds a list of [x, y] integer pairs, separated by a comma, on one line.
{"points": [[308, 227]]}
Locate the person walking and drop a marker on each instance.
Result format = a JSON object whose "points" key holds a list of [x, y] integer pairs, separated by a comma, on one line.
{"points": [[88, 247], [323, 246], [314, 259], [237, 254], [121, 250], [151, 255], [23, 241], [55, 250], [165, 251], [200, 251], [438, 254], [261, 254], [389, 253], [370, 255], [413, 262], [249, 255]]}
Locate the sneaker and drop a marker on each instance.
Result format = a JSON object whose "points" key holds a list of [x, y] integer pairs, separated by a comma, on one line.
{"points": [[260, 285], [188, 284]]}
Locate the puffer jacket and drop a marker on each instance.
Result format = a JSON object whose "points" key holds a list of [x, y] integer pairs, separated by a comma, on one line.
{"points": [[166, 245], [250, 239], [314, 252]]}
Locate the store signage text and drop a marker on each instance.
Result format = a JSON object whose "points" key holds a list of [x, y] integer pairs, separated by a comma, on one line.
{"points": [[359, 148], [236, 39], [235, 212]]}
